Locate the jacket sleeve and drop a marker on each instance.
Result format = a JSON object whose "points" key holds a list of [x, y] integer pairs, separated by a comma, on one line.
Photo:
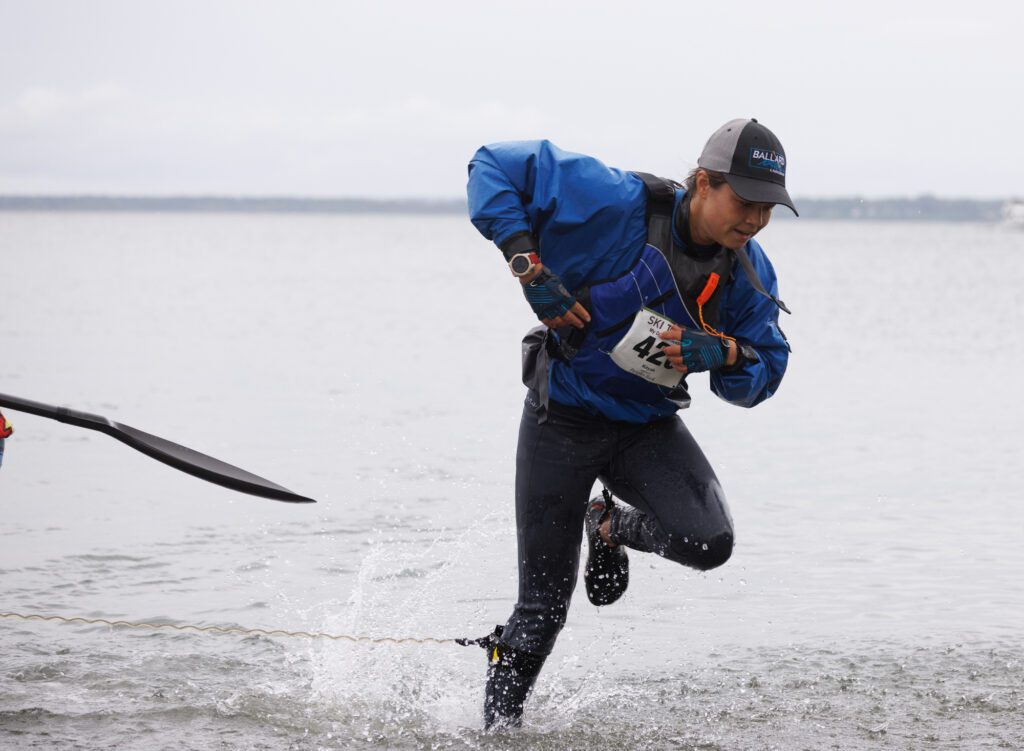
{"points": [[753, 319], [584, 215], [501, 183]]}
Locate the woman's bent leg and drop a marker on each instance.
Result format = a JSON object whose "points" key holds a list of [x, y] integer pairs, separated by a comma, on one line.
{"points": [[679, 507]]}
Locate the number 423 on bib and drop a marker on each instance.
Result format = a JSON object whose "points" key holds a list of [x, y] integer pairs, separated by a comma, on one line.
{"points": [[641, 351]]}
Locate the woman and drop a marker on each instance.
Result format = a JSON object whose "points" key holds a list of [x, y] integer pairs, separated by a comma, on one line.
{"points": [[638, 281]]}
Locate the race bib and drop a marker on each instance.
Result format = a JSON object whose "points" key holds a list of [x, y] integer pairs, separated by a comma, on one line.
{"points": [[642, 352]]}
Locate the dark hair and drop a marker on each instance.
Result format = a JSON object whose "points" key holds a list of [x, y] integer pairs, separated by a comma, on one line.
{"points": [[716, 179]]}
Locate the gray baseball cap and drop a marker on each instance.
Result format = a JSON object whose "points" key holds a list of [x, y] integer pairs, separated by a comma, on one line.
{"points": [[752, 160]]}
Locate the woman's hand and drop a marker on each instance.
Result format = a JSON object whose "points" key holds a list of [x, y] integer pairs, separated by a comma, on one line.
{"points": [[554, 305], [694, 351], [577, 316]]}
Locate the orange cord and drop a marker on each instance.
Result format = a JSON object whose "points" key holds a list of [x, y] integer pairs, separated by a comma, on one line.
{"points": [[703, 297]]}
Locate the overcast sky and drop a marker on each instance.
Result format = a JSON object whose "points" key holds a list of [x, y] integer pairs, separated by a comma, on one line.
{"points": [[391, 99]]}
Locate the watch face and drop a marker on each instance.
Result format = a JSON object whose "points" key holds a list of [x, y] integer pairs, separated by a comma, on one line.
{"points": [[520, 264]]}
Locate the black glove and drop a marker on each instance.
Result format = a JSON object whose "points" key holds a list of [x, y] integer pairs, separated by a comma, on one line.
{"points": [[701, 351], [548, 296]]}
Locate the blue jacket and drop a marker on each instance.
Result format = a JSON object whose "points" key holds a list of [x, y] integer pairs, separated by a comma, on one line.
{"points": [[590, 223]]}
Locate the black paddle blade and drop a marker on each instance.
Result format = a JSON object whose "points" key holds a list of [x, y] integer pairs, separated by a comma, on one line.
{"points": [[202, 466], [180, 457]]}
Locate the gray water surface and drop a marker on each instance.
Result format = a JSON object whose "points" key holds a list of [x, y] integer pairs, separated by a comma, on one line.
{"points": [[874, 599]]}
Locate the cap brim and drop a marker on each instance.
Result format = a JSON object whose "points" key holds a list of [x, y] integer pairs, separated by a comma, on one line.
{"points": [[760, 191]]}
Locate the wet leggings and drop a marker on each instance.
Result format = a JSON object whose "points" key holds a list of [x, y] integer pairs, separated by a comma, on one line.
{"points": [[678, 508]]}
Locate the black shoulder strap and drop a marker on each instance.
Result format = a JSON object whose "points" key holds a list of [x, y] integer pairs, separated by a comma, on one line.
{"points": [[661, 197], [661, 193]]}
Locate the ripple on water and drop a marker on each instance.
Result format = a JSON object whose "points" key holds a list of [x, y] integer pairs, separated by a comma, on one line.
{"points": [[106, 557]]}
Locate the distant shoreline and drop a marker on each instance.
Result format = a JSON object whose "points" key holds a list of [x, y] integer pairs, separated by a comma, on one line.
{"points": [[221, 204], [922, 208]]}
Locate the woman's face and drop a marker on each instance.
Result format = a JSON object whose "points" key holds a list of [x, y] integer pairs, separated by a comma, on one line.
{"points": [[718, 215]]}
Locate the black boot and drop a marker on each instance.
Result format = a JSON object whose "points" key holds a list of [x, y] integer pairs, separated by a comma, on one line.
{"points": [[606, 575], [511, 674]]}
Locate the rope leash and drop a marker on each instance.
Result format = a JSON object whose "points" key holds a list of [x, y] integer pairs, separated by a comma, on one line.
{"points": [[239, 630]]}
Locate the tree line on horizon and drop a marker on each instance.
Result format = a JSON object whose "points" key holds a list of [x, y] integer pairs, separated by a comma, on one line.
{"points": [[921, 208]]}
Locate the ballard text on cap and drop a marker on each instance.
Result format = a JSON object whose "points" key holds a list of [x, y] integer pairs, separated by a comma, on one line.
{"points": [[752, 160]]}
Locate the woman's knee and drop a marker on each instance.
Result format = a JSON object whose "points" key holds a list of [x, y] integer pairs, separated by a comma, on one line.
{"points": [[702, 554], [718, 551]]}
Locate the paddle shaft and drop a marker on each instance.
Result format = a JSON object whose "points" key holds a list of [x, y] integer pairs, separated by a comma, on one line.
{"points": [[170, 453], [61, 414]]}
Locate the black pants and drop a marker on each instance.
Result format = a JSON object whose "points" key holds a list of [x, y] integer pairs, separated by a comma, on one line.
{"points": [[678, 509]]}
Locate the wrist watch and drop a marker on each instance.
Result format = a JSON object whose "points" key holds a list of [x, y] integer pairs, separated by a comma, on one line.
{"points": [[745, 354], [522, 264]]}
